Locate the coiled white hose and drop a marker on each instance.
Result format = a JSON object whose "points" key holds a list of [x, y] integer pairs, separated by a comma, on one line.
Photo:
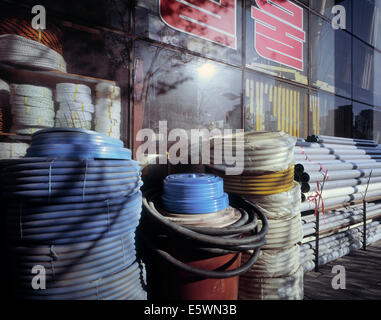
{"points": [[105, 90], [75, 115], [63, 123], [26, 52], [27, 90]]}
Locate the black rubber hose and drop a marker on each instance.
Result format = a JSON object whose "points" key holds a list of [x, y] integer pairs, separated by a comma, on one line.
{"points": [[239, 237]]}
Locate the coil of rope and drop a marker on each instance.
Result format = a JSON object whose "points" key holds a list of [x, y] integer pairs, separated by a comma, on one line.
{"points": [[25, 52], [225, 240]]}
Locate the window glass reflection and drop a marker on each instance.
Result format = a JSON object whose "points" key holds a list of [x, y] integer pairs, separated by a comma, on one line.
{"points": [[274, 105]]}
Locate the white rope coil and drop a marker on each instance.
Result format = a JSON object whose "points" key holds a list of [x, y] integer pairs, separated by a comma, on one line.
{"points": [[13, 150], [274, 263], [27, 90], [26, 52], [105, 90], [283, 288], [278, 206]]}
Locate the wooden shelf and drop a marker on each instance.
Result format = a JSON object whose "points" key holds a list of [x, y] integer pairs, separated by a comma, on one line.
{"points": [[46, 78]]}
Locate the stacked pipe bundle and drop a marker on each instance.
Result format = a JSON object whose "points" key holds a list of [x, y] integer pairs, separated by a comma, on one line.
{"points": [[108, 110], [22, 45], [346, 164], [191, 221], [75, 106], [267, 182], [73, 205], [338, 245], [5, 113], [32, 108]]}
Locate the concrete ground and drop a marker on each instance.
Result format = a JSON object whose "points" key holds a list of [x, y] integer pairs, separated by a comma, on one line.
{"points": [[363, 277]]}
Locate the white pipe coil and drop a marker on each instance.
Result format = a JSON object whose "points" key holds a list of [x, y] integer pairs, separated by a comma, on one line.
{"points": [[76, 106], [26, 52], [42, 103], [33, 121], [74, 115], [13, 150], [27, 129], [73, 97], [112, 105], [274, 263], [22, 110], [284, 233], [27, 90], [284, 288], [63, 123], [73, 88], [106, 90], [4, 86], [108, 113]]}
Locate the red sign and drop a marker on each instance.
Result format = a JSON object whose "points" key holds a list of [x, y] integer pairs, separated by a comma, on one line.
{"points": [[279, 34], [212, 20]]}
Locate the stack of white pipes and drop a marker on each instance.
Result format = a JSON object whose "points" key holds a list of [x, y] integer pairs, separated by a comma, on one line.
{"points": [[343, 166]]}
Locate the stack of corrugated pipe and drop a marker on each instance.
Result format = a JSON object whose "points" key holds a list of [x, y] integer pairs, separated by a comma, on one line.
{"points": [[197, 237], [268, 183], [352, 172], [22, 45], [75, 106], [32, 108], [72, 208], [108, 110]]}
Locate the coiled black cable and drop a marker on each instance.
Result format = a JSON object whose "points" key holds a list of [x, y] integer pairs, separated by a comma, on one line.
{"points": [[239, 237]]}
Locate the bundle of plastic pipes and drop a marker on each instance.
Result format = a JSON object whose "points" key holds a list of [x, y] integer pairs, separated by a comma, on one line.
{"points": [[192, 220], [108, 109], [338, 245], [72, 208], [75, 106], [267, 182], [22, 45], [32, 108], [345, 164]]}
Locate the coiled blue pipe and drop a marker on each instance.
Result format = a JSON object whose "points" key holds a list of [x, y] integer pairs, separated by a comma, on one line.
{"points": [[194, 194], [75, 215]]}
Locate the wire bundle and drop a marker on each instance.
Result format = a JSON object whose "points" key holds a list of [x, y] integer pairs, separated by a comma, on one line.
{"points": [[75, 106], [108, 110], [75, 215], [29, 53], [32, 108], [5, 118], [13, 150]]}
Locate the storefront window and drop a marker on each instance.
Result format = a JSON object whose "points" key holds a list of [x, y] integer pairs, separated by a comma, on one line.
{"points": [[277, 39], [274, 105], [211, 28], [186, 91], [331, 57], [362, 121], [377, 125], [330, 115]]}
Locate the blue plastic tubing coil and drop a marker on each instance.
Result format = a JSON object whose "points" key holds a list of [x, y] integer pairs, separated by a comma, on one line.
{"points": [[76, 143], [194, 194], [76, 216]]}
